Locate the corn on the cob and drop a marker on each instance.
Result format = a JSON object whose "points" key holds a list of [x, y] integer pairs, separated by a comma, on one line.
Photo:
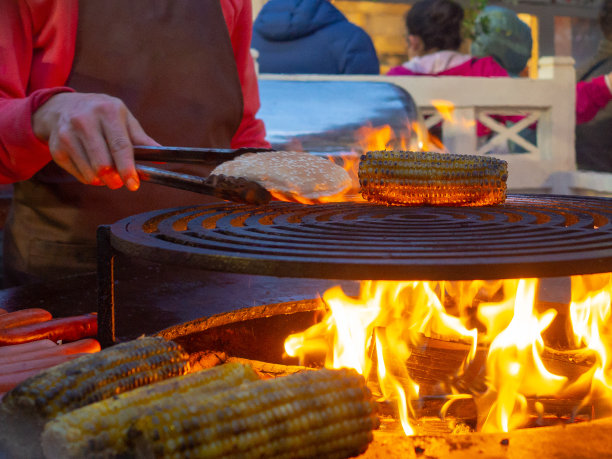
{"points": [[100, 430], [423, 178], [94, 377], [325, 413]]}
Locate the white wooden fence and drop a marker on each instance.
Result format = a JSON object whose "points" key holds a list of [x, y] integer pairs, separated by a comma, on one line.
{"points": [[546, 165]]}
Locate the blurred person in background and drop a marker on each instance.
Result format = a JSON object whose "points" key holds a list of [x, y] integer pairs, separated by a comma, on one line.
{"points": [[434, 36], [433, 39], [502, 47], [499, 33], [311, 37], [593, 141], [81, 82]]}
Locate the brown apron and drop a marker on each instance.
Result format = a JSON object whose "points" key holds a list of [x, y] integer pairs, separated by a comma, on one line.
{"points": [[172, 64]]}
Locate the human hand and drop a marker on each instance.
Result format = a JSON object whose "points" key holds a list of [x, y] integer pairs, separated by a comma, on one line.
{"points": [[91, 137]]}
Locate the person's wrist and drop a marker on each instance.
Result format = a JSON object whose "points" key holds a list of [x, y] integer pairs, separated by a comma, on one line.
{"points": [[45, 116]]}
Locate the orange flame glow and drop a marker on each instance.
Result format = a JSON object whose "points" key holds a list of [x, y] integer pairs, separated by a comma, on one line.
{"points": [[387, 316], [446, 109], [590, 311], [377, 332], [514, 365]]}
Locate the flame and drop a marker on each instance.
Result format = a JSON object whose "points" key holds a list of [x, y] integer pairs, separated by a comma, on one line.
{"points": [[387, 316], [497, 322], [590, 311], [414, 136], [514, 365], [446, 109]]}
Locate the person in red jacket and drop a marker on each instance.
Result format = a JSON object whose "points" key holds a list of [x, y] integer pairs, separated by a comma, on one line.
{"points": [[81, 83]]}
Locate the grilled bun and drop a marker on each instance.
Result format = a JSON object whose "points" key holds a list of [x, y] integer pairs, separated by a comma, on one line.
{"points": [[289, 173]]}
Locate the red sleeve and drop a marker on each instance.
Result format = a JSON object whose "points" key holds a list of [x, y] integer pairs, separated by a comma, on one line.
{"points": [[238, 16], [399, 70], [591, 96], [36, 49]]}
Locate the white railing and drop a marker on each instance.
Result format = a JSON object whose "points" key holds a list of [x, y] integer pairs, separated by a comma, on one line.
{"points": [[546, 165]]}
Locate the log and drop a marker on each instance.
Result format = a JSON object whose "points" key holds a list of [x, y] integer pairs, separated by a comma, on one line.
{"points": [[265, 370]]}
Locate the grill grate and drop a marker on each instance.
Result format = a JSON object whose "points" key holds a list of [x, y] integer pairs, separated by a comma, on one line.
{"points": [[528, 236]]}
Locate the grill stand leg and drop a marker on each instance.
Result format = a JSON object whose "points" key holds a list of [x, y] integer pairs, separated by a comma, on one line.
{"points": [[106, 287]]}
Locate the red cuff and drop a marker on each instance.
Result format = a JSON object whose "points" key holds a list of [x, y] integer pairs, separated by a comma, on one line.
{"points": [[22, 154]]}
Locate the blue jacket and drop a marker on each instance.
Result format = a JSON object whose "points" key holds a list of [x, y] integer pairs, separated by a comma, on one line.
{"points": [[311, 36]]}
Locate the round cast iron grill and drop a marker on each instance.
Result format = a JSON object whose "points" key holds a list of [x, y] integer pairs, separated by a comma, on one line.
{"points": [[528, 236]]}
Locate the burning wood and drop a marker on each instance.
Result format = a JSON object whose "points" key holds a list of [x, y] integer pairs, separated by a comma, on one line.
{"points": [[503, 376]]}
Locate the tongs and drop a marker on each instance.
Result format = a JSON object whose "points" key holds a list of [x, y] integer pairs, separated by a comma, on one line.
{"points": [[227, 188]]}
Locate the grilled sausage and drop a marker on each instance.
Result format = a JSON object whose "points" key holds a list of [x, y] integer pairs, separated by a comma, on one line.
{"points": [[37, 364], [26, 347], [23, 317], [7, 382], [82, 346], [65, 329]]}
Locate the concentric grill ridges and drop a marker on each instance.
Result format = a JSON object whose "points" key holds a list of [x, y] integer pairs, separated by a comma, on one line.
{"points": [[528, 236]]}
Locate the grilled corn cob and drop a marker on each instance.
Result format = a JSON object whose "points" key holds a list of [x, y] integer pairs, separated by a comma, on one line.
{"points": [[325, 413], [424, 178], [95, 377], [100, 429]]}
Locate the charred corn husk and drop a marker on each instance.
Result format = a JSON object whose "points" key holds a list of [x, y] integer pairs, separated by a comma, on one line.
{"points": [[411, 178], [95, 377], [324, 413], [100, 430]]}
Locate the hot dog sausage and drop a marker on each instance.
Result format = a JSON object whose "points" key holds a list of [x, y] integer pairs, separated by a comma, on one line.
{"points": [[8, 381], [65, 329], [38, 364], [26, 347], [82, 346], [24, 317]]}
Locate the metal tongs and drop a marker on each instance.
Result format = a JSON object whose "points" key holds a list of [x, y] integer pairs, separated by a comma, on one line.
{"points": [[227, 188]]}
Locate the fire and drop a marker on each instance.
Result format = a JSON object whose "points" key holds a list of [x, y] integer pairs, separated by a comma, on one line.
{"points": [[514, 365], [414, 137], [590, 311], [377, 331], [446, 109]]}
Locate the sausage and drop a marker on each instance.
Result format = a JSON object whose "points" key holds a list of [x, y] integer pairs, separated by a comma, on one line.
{"points": [[8, 381], [65, 329], [24, 317], [26, 347], [38, 364], [83, 346]]}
